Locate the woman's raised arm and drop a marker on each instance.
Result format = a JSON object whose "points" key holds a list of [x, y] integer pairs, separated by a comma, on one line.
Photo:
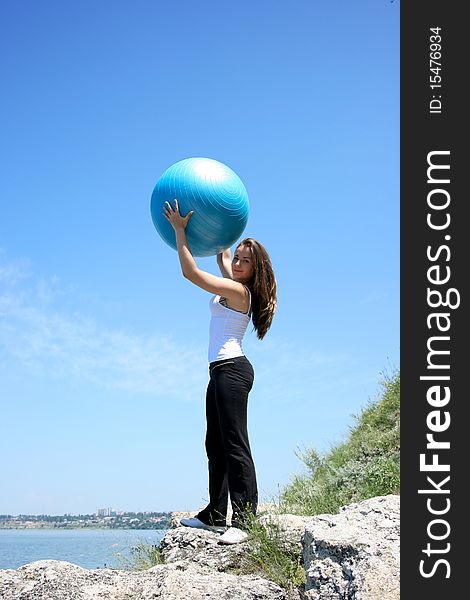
{"points": [[224, 260], [232, 290]]}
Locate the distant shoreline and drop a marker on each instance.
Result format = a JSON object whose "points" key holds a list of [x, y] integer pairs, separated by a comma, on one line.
{"points": [[133, 521], [70, 527]]}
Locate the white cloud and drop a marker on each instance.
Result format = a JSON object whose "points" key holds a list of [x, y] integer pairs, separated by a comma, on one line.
{"points": [[35, 333], [13, 271]]}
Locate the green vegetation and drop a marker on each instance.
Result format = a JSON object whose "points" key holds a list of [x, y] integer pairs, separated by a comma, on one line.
{"points": [[142, 556], [271, 556], [366, 465]]}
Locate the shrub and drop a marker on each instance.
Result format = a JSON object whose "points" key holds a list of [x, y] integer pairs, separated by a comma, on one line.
{"points": [[142, 556], [366, 465]]}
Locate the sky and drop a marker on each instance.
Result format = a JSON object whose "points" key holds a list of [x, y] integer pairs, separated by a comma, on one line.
{"points": [[103, 344]]}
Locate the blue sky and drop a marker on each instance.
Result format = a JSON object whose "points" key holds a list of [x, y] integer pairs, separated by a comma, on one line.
{"points": [[103, 344]]}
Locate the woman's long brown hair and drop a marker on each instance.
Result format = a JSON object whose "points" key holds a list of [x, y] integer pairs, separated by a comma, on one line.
{"points": [[262, 287]]}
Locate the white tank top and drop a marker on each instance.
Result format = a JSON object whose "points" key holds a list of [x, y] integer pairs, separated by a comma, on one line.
{"points": [[226, 330]]}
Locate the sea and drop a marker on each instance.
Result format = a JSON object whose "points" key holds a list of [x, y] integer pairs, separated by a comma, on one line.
{"points": [[88, 548]]}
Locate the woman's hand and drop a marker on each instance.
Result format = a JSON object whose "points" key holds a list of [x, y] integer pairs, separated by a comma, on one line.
{"points": [[173, 215]]}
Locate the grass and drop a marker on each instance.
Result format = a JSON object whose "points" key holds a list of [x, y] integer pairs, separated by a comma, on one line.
{"points": [[270, 555], [142, 556], [366, 465]]}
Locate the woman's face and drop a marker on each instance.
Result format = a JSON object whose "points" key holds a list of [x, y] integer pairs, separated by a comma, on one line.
{"points": [[242, 264]]}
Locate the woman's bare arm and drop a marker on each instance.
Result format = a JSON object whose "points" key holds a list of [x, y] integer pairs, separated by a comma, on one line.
{"points": [[224, 260], [234, 291]]}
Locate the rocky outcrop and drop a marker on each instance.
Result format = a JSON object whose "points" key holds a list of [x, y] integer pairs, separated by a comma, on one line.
{"points": [[289, 528], [349, 556], [57, 580], [200, 547], [355, 554]]}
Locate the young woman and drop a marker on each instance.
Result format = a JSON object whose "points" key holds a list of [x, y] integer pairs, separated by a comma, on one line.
{"points": [[246, 291]]}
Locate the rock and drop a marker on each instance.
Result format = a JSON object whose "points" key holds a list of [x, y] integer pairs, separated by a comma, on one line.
{"points": [[354, 555], [176, 516], [58, 580], [289, 527], [200, 547]]}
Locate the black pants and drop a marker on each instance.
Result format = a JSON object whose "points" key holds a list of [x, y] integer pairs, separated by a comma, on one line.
{"points": [[231, 467]]}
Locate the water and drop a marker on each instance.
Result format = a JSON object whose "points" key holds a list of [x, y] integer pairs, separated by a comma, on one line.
{"points": [[88, 548]]}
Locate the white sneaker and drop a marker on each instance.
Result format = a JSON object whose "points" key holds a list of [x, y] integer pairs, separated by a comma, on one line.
{"points": [[233, 535], [197, 524]]}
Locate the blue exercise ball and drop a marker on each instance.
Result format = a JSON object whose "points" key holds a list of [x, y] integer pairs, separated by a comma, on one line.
{"points": [[216, 195]]}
